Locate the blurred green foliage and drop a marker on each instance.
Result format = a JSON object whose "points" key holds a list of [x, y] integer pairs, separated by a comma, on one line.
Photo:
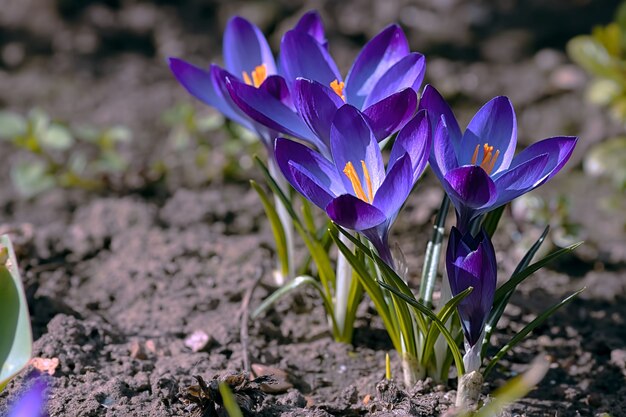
{"points": [[555, 211], [57, 155], [603, 55], [221, 149]]}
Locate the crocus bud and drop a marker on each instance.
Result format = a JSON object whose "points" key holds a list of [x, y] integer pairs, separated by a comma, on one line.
{"points": [[471, 262]]}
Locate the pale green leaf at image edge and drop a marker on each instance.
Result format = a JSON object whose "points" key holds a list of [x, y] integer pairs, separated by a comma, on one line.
{"points": [[15, 331]]}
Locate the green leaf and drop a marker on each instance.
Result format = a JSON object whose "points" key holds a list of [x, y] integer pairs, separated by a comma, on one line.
{"points": [[519, 336], [277, 228], [517, 278], [492, 219], [271, 182], [458, 358], [56, 137], [444, 314], [229, 401], [31, 178], [118, 134], [514, 390], [592, 56], [372, 289], [608, 158], [11, 125], [211, 122], [604, 91], [109, 162], [500, 305], [15, 333]]}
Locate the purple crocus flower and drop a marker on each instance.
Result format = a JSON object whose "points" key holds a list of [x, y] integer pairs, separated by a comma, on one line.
{"points": [[471, 262], [478, 168], [31, 403], [382, 83], [353, 187], [249, 60]]}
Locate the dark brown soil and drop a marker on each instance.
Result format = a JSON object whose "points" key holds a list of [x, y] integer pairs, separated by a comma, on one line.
{"points": [[117, 282]]}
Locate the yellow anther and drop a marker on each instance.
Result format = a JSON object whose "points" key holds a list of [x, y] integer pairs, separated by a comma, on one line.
{"points": [[356, 182], [259, 74], [368, 181], [338, 88], [475, 157], [489, 158]]}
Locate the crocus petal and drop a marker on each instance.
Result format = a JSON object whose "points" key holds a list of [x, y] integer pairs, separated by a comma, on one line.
{"points": [[443, 157], [376, 57], [31, 403], [391, 113], [396, 187], [204, 85], [494, 124], [276, 87], [310, 186], [266, 109], [559, 149], [435, 104], [311, 24], [290, 153], [317, 105], [302, 56], [245, 48], [351, 140], [470, 186], [413, 139], [521, 179], [350, 212], [406, 73]]}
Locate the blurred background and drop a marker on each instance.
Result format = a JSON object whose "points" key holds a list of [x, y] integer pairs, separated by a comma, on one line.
{"points": [[88, 101]]}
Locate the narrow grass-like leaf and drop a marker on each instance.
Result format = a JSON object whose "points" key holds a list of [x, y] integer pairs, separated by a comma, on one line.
{"points": [[526, 272], [387, 271], [515, 389], [527, 329], [499, 306], [15, 332], [354, 299], [444, 314], [492, 219], [228, 399], [290, 286], [271, 182], [315, 247], [277, 229], [372, 289], [458, 358]]}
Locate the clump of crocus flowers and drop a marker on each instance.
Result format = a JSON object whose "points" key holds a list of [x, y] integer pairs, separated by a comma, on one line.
{"points": [[325, 136]]}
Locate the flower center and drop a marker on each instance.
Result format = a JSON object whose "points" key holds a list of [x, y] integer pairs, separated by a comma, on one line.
{"points": [[489, 158], [259, 74], [356, 181], [338, 88]]}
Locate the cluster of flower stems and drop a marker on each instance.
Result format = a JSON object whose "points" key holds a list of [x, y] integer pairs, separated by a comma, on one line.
{"points": [[355, 148]]}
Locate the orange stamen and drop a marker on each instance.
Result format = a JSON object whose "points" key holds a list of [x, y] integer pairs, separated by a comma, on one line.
{"points": [[368, 181], [259, 74], [492, 163], [475, 155], [489, 158], [338, 88], [356, 182]]}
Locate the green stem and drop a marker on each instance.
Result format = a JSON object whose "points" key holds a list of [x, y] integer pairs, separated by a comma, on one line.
{"points": [[343, 282], [283, 273], [433, 253]]}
